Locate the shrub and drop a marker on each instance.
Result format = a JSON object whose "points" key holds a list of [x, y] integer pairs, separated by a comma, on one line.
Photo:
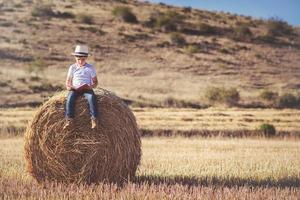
{"points": [[242, 33], [225, 51], [121, 1], [43, 10], [229, 96], [36, 67], [214, 94], [34, 78], [268, 95], [288, 100], [168, 21], [187, 9], [191, 49], [177, 39], [3, 84], [267, 38], [91, 29], [204, 28], [268, 130], [6, 24], [125, 14], [278, 27], [45, 87], [65, 15], [172, 102], [84, 18]]}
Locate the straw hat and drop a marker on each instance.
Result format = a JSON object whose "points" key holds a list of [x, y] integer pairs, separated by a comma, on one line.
{"points": [[81, 50]]}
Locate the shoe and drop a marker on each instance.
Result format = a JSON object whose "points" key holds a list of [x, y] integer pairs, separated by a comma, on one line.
{"points": [[94, 123], [68, 123]]}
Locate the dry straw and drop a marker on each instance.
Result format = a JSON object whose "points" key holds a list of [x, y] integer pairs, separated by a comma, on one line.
{"points": [[79, 154]]}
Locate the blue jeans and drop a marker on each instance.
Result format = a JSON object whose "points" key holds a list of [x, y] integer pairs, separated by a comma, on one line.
{"points": [[91, 98]]}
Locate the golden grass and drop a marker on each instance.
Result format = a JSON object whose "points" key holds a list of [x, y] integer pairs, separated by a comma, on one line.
{"points": [[14, 121], [247, 159], [224, 159], [217, 118], [177, 168], [223, 119]]}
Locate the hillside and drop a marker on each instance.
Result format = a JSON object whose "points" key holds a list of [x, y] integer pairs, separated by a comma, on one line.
{"points": [[143, 60]]}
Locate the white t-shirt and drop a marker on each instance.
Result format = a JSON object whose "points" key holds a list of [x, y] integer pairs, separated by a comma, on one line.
{"points": [[81, 75]]}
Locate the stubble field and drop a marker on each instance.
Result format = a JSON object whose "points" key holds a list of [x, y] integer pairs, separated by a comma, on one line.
{"points": [[144, 64], [232, 120], [176, 168]]}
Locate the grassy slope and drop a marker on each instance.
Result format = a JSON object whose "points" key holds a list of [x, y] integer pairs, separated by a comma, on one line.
{"points": [[129, 58], [184, 169]]}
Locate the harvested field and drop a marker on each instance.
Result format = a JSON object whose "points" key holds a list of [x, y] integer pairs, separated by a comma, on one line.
{"points": [[186, 169], [206, 122], [217, 119]]}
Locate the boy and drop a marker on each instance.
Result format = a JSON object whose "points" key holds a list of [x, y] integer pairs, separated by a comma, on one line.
{"points": [[81, 80]]}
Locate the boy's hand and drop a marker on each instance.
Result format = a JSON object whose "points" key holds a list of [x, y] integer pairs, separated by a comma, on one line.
{"points": [[89, 87]]}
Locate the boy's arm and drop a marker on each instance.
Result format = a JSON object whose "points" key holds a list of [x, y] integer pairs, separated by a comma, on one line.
{"points": [[69, 84], [94, 82]]}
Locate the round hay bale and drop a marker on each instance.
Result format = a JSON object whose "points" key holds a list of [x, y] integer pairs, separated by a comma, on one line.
{"points": [[80, 154]]}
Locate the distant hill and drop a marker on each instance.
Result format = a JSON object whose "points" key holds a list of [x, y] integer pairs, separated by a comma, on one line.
{"points": [[142, 51]]}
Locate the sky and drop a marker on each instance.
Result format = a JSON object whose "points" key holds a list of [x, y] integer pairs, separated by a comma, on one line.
{"points": [[287, 10]]}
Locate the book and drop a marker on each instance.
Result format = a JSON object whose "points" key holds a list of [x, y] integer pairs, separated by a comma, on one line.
{"points": [[82, 87]]}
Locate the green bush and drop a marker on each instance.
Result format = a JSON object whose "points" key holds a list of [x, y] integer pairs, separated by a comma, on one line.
{"points": [[267, 129], [229, 96], [288, 100], [278, 27], [43, 10], [268, 95], [125, 14], [84, 18], [177, 39]]}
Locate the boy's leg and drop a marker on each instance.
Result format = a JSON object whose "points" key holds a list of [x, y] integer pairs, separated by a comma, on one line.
{"points": [[91, 98], [70, 104]]}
